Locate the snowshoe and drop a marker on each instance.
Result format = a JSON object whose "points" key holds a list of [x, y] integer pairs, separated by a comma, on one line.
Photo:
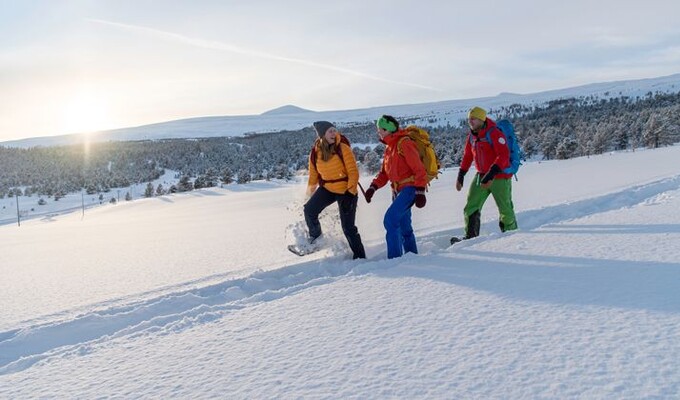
{"points": [[302, 249]]}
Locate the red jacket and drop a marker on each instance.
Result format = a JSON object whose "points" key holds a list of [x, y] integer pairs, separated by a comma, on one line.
{"points": [[401, 163], [484, 153]]}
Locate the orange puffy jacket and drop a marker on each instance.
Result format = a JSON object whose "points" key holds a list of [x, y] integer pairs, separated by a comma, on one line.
{"points": [[334, 175], [402, 168]]}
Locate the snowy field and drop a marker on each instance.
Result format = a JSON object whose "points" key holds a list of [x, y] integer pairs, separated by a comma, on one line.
{"points": [[28, 207], [194, 295]]}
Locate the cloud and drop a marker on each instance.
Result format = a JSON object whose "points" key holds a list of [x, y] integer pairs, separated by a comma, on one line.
{"points": [[603, 52], [220, 46]]}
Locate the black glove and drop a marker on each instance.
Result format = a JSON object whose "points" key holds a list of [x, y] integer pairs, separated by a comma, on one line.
{"points": [[369, 193], [495, 170], [461, 176], [420, 197], [349, 194]]}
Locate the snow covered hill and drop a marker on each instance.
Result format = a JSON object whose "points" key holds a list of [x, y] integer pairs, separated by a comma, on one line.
{"points": [[194, 295], [292, 117]]}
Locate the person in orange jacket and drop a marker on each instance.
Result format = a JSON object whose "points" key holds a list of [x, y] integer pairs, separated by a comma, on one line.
{"points": [[403, 168], [333, 178]]}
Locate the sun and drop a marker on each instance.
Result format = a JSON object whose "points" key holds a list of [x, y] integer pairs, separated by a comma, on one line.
{"points": [[85, 113]]}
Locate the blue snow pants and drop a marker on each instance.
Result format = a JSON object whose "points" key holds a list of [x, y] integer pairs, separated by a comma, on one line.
{"points": [[399, 236]]}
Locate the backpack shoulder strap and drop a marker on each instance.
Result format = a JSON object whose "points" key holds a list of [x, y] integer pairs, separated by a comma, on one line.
{"points": [[338, 151], [338, 147], [401, 153], [312, 153], [488, 137]]}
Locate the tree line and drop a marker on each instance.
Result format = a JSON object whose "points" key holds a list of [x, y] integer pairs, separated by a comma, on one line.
{"points": [[559, 129]]}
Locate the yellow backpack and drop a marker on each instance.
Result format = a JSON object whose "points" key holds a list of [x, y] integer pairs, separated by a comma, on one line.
{"points": [[425, 149]]}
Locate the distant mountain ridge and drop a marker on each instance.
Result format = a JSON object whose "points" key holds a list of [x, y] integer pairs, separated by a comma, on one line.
{"points": [[286, 110], [290, 117]]}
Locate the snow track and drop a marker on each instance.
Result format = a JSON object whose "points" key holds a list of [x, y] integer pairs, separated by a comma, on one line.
{"points": [[21, 348], [648, 193]]}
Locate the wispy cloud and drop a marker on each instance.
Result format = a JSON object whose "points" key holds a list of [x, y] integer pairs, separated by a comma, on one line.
{"points": [[219, 46]]}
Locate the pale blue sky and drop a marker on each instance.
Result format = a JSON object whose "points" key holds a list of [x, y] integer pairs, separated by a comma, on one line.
{"points": [[72, 66]]}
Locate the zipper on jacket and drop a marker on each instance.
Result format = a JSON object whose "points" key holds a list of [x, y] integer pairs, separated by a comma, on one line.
{"points": [[479, 154]]}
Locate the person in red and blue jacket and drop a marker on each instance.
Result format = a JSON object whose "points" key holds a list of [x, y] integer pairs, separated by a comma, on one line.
{"points": [[490, 158], [403, 168]]}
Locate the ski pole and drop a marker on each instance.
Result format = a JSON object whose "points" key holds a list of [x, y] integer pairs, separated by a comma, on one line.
{"points": [[363, 191]]}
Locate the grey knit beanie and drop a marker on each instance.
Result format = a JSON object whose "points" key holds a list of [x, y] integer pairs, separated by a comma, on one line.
{"points": [[321, 127]]}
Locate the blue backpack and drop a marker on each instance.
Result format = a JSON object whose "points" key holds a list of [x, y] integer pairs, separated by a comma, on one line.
{"points": [[516, 153]]}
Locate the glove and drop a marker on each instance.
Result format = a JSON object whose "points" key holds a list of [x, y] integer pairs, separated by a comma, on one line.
{"points": [[420, 197], [370, 192], [349, 194], [461, 176], [495, 169]]}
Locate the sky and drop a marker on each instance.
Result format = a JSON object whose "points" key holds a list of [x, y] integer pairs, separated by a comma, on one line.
{"points": [[194, 295], [82, 66]]}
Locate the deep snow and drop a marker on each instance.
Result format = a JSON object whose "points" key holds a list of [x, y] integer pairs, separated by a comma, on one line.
{"points": [[195, 295]]}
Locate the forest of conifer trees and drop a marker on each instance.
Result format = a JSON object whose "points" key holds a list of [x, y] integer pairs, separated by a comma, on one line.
{"points": [[560, 129]]}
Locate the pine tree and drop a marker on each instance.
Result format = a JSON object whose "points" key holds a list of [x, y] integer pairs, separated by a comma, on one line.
{"points": [[227, 176], [566, 149], [211, 178], [372, 162], [621, 137], [282, 171], [185, 184], [652, 132], [243, 177], [550, 139], [200, 182], [601, 140], [148, 192]]}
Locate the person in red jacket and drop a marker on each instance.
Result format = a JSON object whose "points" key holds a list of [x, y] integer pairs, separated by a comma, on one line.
{"points": [[403, 168], [487, 146]]}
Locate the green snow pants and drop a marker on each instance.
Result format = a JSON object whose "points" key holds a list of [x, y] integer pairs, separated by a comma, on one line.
{"points": [[501, 190]]}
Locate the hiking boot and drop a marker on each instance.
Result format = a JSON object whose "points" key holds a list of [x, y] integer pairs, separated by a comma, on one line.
{"points": [[457, 239], [312, 240]]}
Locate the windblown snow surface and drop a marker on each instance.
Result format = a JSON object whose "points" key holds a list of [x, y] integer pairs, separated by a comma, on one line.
{"points": [[195, 296]]}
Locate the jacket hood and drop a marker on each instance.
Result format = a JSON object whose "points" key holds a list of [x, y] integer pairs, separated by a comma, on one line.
{"points": [[394, 137]]}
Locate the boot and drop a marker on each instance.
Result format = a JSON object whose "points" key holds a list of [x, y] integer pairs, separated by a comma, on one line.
{"points": [[311, 240], [456, 239], [473, 225]]}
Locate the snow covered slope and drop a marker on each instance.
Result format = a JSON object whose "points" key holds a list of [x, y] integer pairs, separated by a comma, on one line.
{"points": [[291, 117], [194, 295]]}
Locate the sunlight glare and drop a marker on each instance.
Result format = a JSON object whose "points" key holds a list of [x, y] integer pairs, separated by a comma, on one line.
{"points": [[85, 113]]}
